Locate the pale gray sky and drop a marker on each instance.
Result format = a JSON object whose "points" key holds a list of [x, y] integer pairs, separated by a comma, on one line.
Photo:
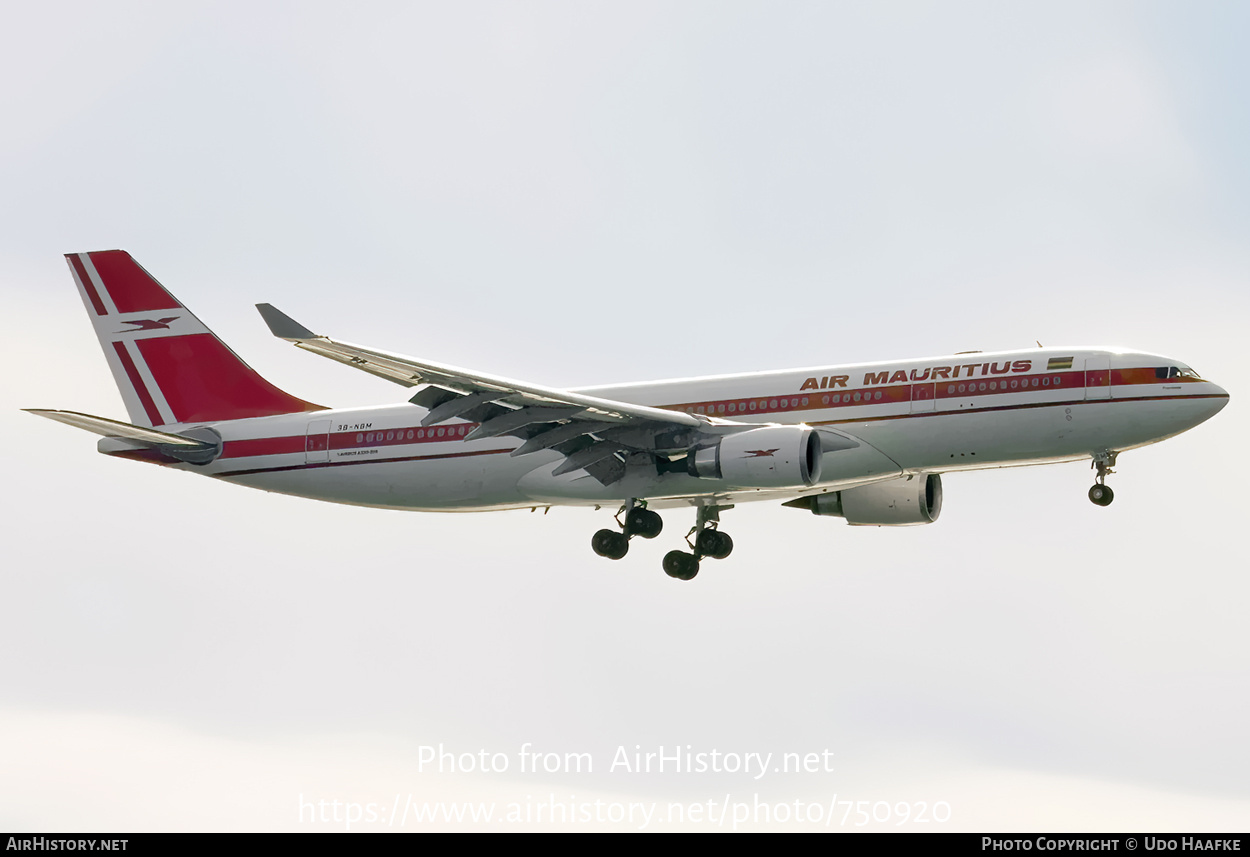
{"points": [[592, 193]]}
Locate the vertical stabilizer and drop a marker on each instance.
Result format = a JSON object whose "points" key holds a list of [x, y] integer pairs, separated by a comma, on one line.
{"points": [[169, 367]]}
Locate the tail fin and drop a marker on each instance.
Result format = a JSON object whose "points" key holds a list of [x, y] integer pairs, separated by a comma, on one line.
{"points": [[169, 367]]}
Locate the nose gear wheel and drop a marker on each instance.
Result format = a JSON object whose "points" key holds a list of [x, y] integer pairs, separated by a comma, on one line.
{"points": [[1101, 494]]}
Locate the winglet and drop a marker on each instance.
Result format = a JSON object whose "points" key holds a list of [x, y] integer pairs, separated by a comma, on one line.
{"points": [[282, 325]]}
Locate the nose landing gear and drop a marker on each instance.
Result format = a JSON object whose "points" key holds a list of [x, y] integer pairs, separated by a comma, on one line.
{"points": [[1101, 494]]}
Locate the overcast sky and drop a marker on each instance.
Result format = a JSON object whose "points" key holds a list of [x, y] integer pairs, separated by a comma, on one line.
{"points": [[576, 194]]}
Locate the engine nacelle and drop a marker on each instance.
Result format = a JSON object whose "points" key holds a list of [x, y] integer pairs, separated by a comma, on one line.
{"points": [[898, 503], [768, 457]]}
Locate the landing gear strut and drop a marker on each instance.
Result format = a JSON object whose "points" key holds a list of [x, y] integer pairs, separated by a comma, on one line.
{"points": [[639, 521], [1100, 494], [708, 541]]}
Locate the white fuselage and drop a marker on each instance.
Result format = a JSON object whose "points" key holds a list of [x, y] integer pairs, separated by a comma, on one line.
{"points": [[962, 412]]}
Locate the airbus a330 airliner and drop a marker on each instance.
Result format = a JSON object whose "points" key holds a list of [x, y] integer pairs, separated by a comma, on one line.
{"points": [[864, 442]]}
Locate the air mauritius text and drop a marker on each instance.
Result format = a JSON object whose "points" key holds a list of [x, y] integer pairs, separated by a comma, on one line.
{"points": [[675, 759]]}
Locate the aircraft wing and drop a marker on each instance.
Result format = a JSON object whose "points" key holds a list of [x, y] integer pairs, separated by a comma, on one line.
{"points": [[593, 434]]}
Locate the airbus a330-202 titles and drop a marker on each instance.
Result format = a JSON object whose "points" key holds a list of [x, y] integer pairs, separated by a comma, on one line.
{"points": [[867, 443]]}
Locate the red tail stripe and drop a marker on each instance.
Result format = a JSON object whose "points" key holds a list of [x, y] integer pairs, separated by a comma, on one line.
{"points": [[131, 288], [88, 286], [203, 380], [149, 406]]}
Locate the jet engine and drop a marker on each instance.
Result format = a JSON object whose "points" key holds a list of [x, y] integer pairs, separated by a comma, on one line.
{"points": [[915, 499], [768, 457]]}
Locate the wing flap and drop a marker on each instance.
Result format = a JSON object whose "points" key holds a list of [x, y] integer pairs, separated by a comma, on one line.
{"points": [[591, 454]]}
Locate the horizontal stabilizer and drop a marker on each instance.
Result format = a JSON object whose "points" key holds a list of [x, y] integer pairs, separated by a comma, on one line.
{"points": [[113, 428]]}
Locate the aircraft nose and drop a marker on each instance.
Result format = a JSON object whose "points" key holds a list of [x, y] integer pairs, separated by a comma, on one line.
{"points": [[1221, 396], [1216, 401]]}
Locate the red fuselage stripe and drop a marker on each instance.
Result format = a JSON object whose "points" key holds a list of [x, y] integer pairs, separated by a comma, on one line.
{"points": [[405, 436], [963, 388], [1019, 407]]}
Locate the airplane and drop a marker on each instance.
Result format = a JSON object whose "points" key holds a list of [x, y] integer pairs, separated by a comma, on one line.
{"points": [[864, 442]]}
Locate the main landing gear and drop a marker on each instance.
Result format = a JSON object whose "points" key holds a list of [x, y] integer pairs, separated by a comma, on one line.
{"points": [[705, 538], [1100, 494], [639, 521], [708, 541]]}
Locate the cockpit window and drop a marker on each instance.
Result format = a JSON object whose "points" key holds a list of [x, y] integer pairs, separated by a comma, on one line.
{"points": [[1163, 373]]}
